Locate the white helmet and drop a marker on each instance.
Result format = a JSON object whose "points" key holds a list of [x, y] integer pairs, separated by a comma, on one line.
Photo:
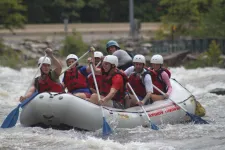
{"points": [[157, 59], [98, 54], [71, 56], [139, 59], [111, 59], [46, 61]]}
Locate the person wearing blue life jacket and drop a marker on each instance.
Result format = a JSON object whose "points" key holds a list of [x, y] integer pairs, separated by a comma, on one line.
{"points": [[48, 81], [125, 60]]}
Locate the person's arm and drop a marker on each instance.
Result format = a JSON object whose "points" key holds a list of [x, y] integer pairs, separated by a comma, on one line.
{"points": [[55, 62], [84, 71], [96, 70], [93, 90], [166, 79], [148, 88], [28, 94], [129, 70], [110, 95], [91, 60]]}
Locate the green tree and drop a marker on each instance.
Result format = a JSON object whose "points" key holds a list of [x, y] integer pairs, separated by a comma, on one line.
{"points": [[213, 22], [73, 44], [11, 16], [93, 11], [213, 54], [40, 11], [68, 9], [148, 10], [185, 14]]}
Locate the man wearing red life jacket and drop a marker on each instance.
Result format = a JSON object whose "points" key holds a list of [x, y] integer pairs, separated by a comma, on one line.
{"points": [[75, 79], [160, 78], [112, 87], [141, 82], [97, 56], [49, 79]]}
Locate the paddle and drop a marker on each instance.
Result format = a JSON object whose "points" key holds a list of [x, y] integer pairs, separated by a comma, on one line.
{"points": [[194, 118], [152, 125], [75, 62], [11, 119], [106, 130]]}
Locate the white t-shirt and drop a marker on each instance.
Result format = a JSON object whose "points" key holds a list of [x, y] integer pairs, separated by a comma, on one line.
{"points": [[123, 57], [147, 79]]}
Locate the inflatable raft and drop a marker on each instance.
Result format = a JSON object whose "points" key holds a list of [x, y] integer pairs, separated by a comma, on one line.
{"points": [[67, 111]]}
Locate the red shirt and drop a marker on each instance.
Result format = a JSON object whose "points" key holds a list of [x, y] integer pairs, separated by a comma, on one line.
{"points": [[117, 82]]}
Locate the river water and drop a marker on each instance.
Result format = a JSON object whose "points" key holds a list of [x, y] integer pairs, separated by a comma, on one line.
{"points": [[170, 137]]}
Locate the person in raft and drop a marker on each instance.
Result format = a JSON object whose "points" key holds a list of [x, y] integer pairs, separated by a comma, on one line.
{"points": [[112, 87], [48, 81], [141, 82], [75, 79], [160, 78], [124, 59]]}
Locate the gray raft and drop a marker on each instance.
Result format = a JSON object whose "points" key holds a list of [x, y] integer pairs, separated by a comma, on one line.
{"points": [[66, 110]]}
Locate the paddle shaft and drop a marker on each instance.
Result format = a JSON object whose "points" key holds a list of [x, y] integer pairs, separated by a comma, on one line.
{"points": [[169, 98], [138, 101], [35, 75], [75, 62], [96, 86], [96, 66]]}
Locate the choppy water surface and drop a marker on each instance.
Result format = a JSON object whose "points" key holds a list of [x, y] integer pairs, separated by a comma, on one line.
{"points": [[169, 137]]}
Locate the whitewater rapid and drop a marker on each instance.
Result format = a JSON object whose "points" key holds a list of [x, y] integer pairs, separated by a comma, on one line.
{"points": [[189, 136]]}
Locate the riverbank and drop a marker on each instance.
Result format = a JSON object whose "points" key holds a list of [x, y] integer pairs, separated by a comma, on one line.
{"points": [[29, 43]]}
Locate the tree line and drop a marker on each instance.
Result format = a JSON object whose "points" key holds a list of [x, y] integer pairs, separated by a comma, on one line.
{"points": [[186, 17]]}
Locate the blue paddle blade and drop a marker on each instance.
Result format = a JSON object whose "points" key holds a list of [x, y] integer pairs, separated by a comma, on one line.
{"points": [[11, 119], [106, 130], [26, 101], [153, 126], [197, 119]]}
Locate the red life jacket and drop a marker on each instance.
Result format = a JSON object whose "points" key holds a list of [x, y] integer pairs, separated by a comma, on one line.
{"points": [[158, 81], [137, 83], [106, 84], [48, 85], [91, 83], [74, 79]]}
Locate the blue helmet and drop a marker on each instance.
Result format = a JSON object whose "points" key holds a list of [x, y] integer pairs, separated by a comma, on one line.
{"points": [[112, 43]]}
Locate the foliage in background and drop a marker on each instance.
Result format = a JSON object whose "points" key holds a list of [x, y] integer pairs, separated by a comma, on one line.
{"points": [[14, 58], [11, 14], [212, 23], [210, 58], [182, 13], [54, 11], [8, 57], [213, 55], [73, 44], [195, 18], [148, 10]]}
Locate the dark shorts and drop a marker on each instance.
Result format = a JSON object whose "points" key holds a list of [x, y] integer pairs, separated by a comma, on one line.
{"points": [[118, 105], [86, 91]]}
